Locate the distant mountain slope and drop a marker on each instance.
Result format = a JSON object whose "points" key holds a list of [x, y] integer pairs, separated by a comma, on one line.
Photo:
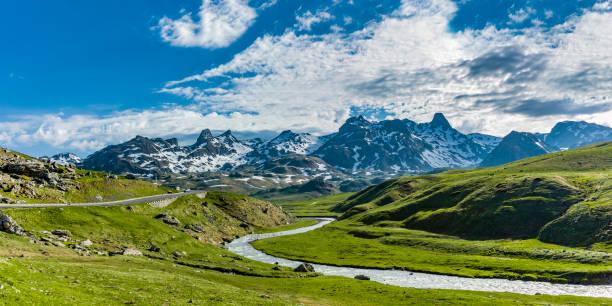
{"points": [[487, 142], [515, 146], [563, 197], [64, 159], [573, 134], [289, 142]]}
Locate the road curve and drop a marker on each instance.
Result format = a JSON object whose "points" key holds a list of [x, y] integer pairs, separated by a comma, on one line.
{"points": [[242, 246], [147, 199]]}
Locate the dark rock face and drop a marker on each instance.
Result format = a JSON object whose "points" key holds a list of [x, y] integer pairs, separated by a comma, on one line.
{"points": [[305, 267], [515, 146]]}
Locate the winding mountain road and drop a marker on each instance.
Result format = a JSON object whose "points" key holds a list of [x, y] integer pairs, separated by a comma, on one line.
{"points": [[147, 199]]}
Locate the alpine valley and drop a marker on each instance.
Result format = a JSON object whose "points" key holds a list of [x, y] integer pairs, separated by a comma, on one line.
{"points": [[361, 151]]}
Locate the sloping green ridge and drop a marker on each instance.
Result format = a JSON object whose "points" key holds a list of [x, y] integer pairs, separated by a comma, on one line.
{"points": [[563, 198]]}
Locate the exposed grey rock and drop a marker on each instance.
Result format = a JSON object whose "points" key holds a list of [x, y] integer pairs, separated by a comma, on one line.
{"points": [[7, 224], [305, 267], [131, 252]]}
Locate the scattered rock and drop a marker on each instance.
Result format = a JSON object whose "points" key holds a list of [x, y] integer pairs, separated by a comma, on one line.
{"points": [[195, 227], [170, 220], [7, 224], [61, 233], [244, 225], [179, 254], [362, 277], [86, 243], [305, 267], [276, 268], [131, 252], [154, 248]]}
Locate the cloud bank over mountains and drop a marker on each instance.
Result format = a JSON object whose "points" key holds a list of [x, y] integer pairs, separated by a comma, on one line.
{"points": [[406, 64]]}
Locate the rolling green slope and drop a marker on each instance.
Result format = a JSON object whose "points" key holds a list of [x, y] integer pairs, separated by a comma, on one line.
{"points": [[564, 198]]}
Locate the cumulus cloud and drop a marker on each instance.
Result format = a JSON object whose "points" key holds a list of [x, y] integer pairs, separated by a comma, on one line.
{"points": [[308, 19], [219, 23]]}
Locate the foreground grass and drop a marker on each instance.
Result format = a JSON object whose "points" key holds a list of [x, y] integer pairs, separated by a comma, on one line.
{"points": [[141, 281], [348, 244]]}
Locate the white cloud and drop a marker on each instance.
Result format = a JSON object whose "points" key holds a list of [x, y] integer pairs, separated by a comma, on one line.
{"points": [[219, 24], [520, 15], [308, 19]]}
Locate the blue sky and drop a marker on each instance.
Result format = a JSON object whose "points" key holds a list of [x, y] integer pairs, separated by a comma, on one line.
{"points": [[79, 75]]}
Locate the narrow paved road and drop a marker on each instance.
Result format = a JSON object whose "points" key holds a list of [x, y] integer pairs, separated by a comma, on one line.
{"points": [[125, 202]]}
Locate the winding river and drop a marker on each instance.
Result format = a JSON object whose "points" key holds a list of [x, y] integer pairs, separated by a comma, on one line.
{"points": [[242, 246]]}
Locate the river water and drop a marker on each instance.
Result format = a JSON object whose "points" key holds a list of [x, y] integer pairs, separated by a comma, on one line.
{"points": [[242, 246]]}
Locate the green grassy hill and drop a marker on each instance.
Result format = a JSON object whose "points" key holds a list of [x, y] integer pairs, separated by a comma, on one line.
{"points": [[563, 198]]}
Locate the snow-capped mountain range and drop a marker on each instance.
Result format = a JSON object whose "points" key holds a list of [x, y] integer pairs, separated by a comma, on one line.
{"points": [[64, 159], [359, 146]]}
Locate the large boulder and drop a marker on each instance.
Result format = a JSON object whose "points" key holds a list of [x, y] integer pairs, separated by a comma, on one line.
{"points": [[7, 224], [305, 267]]}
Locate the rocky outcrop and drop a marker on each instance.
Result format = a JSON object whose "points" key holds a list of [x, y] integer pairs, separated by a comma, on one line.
{"points": [[8, 225], [23, 176]]}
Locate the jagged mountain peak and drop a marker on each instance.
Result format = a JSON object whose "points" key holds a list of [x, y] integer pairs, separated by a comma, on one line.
{"points": [[439, 121], [205, 135], [354, 123]]}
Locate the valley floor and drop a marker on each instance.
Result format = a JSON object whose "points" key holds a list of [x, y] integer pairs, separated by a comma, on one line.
{"points": [[348, 244]]}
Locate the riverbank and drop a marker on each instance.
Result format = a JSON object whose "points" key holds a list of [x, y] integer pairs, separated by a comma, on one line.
{"points": [[243, 247]]}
